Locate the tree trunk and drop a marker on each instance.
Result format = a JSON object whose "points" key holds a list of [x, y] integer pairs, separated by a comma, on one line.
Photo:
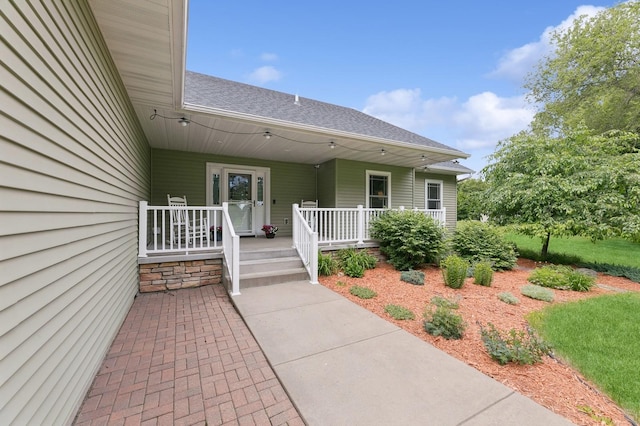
{"points": [[545, 246]]}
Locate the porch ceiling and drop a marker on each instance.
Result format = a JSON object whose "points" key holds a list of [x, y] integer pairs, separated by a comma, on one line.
{"points": [[215, 134], [147, 40]]}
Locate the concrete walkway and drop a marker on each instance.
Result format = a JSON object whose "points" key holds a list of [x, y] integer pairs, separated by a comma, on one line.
{"points": [[343, 365]]}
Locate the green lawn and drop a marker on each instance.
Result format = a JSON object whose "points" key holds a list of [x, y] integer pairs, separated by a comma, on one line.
{"points": [[613, 251], [601, 338]]}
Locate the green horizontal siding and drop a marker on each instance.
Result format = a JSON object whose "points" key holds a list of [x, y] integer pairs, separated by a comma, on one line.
{"points": [[184, 173], [76, 164]]}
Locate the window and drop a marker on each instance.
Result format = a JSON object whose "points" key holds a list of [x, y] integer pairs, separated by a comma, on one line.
{"points": [[378, 190], [433, 194]]}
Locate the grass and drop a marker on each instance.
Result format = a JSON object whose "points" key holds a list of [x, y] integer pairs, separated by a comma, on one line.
{"points": [[599, 337], [613, 251]]}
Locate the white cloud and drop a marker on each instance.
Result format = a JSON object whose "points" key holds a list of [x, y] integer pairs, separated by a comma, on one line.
{"points": [[264, 75], [481, 121], [269, 57], [485, 119], [515, 64]]}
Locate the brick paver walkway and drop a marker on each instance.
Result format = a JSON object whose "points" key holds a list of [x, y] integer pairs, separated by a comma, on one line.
{"points": [[186, 357]]}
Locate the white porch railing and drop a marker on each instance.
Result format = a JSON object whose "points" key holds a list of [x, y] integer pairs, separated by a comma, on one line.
{"points": [[183, 230], [350, 225], [167, 230], [305, 241], [231, 242], [163, 231]]}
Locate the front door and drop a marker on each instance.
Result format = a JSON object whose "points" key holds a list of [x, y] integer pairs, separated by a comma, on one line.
{"points": [[246, 189], [240, 186]]}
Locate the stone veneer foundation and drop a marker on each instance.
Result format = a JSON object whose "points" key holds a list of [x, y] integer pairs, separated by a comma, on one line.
{"points": [[174, 275]]}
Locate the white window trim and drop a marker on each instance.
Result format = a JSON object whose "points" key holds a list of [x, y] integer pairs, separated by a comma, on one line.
{"points": [[426, 193], [370, 173]]}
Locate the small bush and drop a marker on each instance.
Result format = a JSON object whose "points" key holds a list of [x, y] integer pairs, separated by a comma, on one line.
{"points": [[478, 241], [408, 238], [399, 312], [454, 271], [362, 292], [412, 277], [537, 292], [445, 303], [561, 277], [483, 274], [442, 321], [354, 262], [520, 347], [327, 265], [615, 270], [354, 270], [509, 298]]}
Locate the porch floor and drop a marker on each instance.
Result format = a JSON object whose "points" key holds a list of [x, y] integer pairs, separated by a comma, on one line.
{"points": [[187, 357]]}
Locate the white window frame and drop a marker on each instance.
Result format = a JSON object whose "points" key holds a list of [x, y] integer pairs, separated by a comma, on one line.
{"points": [[426, 193], [370, 173]]}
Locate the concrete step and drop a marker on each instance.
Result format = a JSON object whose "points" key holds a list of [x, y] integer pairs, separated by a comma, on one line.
{"points": [[267, 254], [257, 279], [270, 264]]}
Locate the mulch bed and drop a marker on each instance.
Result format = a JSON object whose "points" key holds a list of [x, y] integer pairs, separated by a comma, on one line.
{"points": [[552, 383]]}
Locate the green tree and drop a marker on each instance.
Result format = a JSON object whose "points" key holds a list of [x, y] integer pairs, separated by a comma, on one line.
{"points": [[471, 199], [593, 76], [580, 184]]}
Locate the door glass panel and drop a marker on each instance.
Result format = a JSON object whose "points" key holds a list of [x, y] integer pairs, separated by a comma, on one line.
{"points": [[240, 201], [216, 189], [260, 191]]}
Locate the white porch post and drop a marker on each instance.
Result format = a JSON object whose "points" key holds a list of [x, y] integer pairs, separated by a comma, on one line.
{"points": [[142, 229], [294, 223], [361, 222], [314, 258]]}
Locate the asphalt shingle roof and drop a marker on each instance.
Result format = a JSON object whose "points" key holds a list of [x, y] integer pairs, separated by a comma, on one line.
{"points": [[215, 92]]}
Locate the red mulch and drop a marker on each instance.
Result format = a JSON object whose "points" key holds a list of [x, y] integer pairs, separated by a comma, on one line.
{"points": [[551, 383]]}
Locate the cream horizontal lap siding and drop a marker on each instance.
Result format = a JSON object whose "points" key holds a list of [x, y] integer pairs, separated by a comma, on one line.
{"points": [[73, 166], [449, 194]]}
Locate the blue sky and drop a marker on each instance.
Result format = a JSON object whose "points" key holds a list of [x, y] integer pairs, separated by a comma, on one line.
{"points": [[450, 71]]}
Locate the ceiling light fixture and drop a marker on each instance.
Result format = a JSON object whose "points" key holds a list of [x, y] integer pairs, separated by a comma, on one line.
{"points": [[183, 121], [383, 152], [423, 157], [332, 144], [267, 134]]}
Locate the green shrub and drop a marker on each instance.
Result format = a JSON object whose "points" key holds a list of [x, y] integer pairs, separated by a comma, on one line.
{"points": [[454, 271], [509, 298], [483, 273], [537, 292], [327, 265], [354, 262], [561, 277], [478, 241], [520, 347], [354, 270], [412, 277], [615, 270], [444, 302], [442, 321], [399, 312], [362, 292], [408, 238]]}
